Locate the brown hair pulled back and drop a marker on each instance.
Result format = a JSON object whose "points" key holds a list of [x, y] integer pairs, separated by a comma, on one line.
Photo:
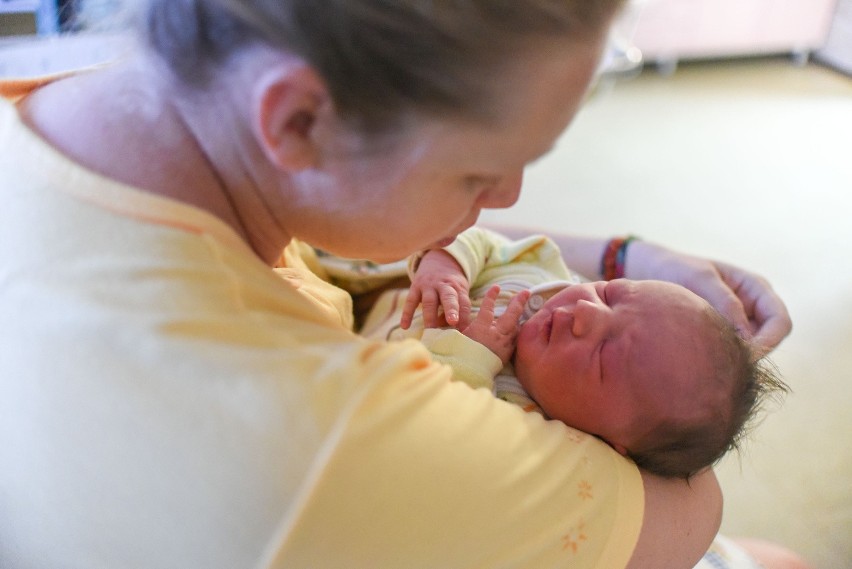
{"points": [[381, 59]]}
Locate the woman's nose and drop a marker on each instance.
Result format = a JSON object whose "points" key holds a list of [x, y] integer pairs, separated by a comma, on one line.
{"points": [[505, 193], [591, 320]]}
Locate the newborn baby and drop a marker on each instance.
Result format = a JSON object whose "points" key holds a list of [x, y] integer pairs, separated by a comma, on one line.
{"points": [[647, 366]]}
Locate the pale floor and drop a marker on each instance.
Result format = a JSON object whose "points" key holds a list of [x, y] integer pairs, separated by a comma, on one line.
{"points": [[749, 162]]}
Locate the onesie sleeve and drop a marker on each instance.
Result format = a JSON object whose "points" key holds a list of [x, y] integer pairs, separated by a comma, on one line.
{"points": [[472, 362], [424, 472], [484, 254]]}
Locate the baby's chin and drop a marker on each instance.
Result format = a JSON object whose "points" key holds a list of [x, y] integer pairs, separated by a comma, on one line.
{"points": [[534, 333], [522, 358], [523, 343], [521, 374]]}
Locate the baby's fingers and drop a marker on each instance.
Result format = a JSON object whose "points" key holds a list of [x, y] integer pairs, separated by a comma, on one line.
{"points": [[412, 301], [450, 303], [464, 311], [431, 303], [486, 308], [507, 323]]}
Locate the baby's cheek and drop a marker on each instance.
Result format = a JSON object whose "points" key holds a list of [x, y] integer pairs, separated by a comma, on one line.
{"points": [[521, 349], [526, 368]]}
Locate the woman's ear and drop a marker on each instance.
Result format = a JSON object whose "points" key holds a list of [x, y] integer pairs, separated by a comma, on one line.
{"points": [[287, 103]]}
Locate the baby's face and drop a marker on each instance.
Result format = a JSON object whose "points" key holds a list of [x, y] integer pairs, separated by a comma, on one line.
{"points": [[608, 357]]}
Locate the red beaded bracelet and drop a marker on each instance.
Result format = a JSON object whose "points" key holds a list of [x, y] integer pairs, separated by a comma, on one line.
{"points": [[615, 257]]}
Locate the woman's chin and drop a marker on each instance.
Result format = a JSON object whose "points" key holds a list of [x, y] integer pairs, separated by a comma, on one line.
{"points": [[443, 243]]}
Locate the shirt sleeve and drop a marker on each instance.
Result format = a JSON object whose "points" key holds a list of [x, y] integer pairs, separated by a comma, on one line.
{"points": [[425, 472]]}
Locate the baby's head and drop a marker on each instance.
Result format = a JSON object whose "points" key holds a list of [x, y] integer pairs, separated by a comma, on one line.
{"points": [[648, 366]]}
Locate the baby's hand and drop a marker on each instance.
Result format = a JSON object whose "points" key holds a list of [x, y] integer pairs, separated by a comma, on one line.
{"points": [[498, 334], [438, 283]]}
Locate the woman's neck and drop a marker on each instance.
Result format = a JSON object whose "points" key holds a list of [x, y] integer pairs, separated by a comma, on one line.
{"points": [[137, 134]]}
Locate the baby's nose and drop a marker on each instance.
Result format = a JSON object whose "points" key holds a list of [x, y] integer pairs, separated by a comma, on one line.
{"points": [[590, 319], [505, 192]]}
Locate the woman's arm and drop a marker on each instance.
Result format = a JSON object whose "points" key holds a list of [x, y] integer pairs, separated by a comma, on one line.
{"points": [[680, 521], [746, 299]]}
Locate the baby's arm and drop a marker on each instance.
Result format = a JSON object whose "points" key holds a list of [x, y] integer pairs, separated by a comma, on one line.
{"points": [[479, 352], [497, 334], [438, 283]]}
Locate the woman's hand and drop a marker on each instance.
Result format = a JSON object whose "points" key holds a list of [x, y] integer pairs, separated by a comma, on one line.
{"points": [[744, 298]]}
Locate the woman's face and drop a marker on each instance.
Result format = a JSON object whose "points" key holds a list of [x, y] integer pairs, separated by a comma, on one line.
{"points": [[434, 179]]}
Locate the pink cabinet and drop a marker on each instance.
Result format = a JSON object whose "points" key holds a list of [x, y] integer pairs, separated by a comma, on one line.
{"points": [[670, 30]]}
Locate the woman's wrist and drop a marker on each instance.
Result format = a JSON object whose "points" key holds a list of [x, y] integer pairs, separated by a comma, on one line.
{"points": [[614, 258]]}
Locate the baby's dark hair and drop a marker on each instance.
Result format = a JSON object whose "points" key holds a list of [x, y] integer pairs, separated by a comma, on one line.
{"points": [[677, 450]]}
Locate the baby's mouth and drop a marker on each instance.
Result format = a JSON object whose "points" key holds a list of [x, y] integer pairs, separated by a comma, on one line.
{"points": [[548, 328]]}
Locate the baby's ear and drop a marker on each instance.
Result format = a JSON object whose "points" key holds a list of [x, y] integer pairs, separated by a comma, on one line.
{"points": [[286, 104]]}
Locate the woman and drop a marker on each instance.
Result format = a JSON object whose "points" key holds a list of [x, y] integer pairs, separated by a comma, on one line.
{"points": [[169, 400]]}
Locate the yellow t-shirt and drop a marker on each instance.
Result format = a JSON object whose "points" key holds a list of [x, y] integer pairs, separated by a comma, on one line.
{"points": [[167, 400]]}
